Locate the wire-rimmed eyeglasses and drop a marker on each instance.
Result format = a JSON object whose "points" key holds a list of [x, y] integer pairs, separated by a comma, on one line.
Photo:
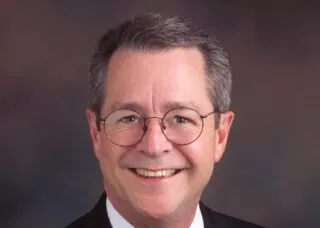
{"points": [[182, 126]]}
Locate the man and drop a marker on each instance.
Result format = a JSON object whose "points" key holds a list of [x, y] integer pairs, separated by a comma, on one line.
{"points": [[159, 120]]}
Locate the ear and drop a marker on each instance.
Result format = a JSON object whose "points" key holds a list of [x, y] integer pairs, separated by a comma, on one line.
{"points": [[222, 133], [95, 133]]}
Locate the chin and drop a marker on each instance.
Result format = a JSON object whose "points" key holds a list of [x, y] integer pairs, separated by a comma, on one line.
{"points": [[157, 209]]}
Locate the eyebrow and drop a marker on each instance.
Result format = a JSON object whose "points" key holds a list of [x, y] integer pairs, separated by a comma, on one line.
{"points": [[179, 104], [126, 105], [166, 107]]}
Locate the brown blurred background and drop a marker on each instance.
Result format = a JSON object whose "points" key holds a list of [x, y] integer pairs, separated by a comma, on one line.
{"points": [[270, 173]]}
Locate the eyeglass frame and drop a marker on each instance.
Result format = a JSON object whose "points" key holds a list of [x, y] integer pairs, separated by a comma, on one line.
{"points": [[145, 127]]}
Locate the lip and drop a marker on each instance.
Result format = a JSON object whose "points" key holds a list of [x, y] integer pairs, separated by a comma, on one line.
{"points": [[154, 180], [154, 169]]}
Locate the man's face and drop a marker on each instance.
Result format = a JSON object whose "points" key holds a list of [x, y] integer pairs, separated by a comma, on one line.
{"points": [[153, 81]]}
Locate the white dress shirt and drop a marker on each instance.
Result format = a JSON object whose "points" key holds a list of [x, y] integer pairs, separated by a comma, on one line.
{"points": [[117, 221]]}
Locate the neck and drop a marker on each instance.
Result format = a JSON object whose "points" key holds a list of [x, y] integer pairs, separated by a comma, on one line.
{"points": [[181, 218]]}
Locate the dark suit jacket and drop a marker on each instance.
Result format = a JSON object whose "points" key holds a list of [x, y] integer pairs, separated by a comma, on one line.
{"points": [[98, 218]]}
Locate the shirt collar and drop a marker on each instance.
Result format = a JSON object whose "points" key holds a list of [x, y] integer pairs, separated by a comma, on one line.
{"points": [[117, 220]]}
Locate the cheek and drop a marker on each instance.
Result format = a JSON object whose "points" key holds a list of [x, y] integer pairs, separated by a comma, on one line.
{"points": [[110, 156], [201, 153], [205, 146]]}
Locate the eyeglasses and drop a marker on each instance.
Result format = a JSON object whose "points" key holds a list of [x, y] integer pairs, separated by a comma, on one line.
{"points": [[181, 126]]}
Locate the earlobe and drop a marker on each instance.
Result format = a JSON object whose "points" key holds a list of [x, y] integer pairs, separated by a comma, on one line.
{"points": [[222, 134]]}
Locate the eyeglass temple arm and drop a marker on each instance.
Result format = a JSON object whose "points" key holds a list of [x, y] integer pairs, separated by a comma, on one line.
{"points": [[210, 113]]}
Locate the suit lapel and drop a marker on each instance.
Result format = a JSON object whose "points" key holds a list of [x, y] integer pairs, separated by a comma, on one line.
{"points": [[211, 219], [99, 217]]}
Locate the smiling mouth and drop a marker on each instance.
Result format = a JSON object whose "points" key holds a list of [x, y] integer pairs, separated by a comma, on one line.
{"points": [[146, 173]]}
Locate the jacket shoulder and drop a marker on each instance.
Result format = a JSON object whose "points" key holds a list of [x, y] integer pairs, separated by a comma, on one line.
{"points": [[235, 222], [216, 219], [96, 218], [80, 222]]}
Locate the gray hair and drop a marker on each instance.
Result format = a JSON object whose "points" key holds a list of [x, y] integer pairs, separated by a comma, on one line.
{"points": [[155, 32]]}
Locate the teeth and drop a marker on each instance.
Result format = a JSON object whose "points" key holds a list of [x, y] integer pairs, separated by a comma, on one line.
{"points": [[159, 173]]}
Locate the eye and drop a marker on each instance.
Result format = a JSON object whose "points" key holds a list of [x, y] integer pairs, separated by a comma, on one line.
{"points": [[128, 119], [180, 119]]}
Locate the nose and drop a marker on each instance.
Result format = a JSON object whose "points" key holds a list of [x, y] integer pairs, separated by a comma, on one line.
{"points": [[154, 143]]}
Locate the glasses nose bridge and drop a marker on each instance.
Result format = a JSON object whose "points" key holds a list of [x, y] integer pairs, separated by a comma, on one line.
{"points": [[153, 117]]}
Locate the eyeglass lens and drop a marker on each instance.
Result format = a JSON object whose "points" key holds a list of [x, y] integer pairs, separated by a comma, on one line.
{"points": [[126, 127]]}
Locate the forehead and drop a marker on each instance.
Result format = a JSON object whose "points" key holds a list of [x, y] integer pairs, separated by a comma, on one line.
{"points": [[154, 79]]}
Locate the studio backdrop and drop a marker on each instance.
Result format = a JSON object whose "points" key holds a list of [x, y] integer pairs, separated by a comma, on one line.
{"points": [[270, 172]]}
